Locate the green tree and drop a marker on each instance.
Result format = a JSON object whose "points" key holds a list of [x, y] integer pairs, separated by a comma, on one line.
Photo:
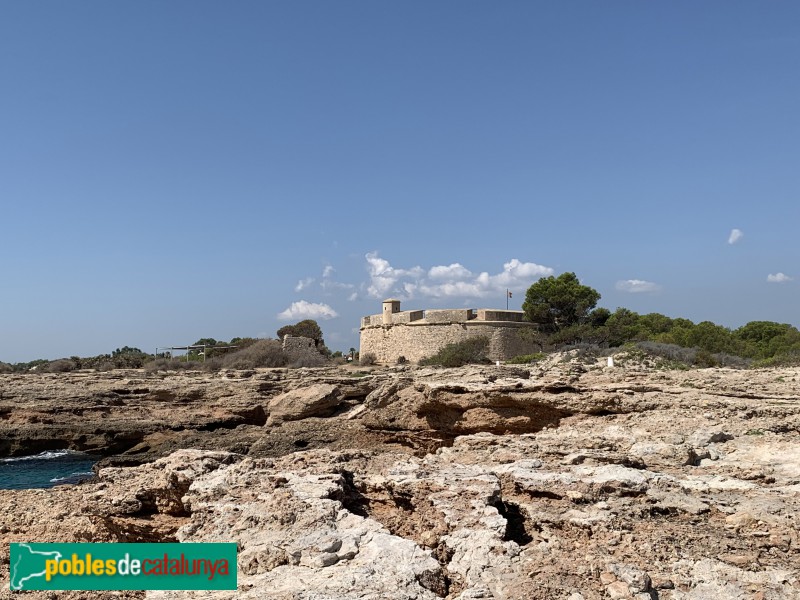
{"points": [[126, 350], [623, 326], [599, 316], [581, 333], [653, 324], [306, 328], [714, 338], [559, 302], [766, 339]]}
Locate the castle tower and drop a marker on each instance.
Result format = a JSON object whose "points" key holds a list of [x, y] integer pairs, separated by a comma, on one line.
{"points": [[390, 306]]}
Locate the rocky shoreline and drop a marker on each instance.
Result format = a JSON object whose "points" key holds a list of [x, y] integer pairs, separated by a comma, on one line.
{"points": [[566, 479]]}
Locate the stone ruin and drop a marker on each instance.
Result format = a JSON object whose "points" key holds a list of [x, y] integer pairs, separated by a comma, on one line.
{"points": [[297, 347]]}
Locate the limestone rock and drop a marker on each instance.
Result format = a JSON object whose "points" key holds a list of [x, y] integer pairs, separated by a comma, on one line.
{"points": [[314, 400], [576, 482]]}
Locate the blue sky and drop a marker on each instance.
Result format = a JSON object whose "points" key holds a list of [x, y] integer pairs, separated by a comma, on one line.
{"points": [[187, 169]]}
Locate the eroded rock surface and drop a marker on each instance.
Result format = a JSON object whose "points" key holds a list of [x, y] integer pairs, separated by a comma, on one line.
{"points": [[562, 481]]}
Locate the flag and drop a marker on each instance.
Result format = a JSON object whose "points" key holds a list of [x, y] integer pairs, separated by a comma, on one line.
{"points": [[509, 294]]}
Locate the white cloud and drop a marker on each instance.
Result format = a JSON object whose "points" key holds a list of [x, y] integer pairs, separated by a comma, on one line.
{"points": [[637, 286], [517, 273], [778, 278], [735, 236], [353, 297], [307, 310], [454, 271], [303, 284], [448, 281], [383, 276], [327, 283]]}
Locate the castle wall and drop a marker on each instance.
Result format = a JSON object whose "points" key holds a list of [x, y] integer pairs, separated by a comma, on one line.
{"points": [[415, 341], [457, 315], [408, 316], [487, 314]]}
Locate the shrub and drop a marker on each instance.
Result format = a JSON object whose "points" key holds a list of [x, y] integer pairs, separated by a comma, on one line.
{"points": [[263, 353], [732, 361], [255, 354], [704, 358], [525, 359], [62, 365], [368, 358], [577, 335], [670, 352], [678, 357], [170, 364], [458, 354], [6, 368], [107, 366], [791, 359], [308, 361], [584, 353], [33, 366]]}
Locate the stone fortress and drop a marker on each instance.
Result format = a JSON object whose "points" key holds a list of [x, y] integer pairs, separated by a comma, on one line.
{"points": [[417, 334]]}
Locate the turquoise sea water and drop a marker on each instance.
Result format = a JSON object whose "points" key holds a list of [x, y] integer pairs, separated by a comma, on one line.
{"points": [[45, 470]]}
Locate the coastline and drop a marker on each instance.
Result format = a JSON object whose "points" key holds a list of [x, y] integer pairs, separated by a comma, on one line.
{"points": [[46, 469]]}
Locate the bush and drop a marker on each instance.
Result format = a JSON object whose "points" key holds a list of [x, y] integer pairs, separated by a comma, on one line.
{"points": [[6, 368], [526, 359], [368, 358], [108, 365], [38, 365], [678, 357], [308, 361], [791, 359], [584, 353], [704, 358], [170, 364], [732, 361], [670, 352], [62, 365], [263, 353], [469, 351], [582, 335]]}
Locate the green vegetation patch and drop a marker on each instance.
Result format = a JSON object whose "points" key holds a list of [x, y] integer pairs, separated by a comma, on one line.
{"points": [[526, 359], [565, 311], [471, 351]]}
